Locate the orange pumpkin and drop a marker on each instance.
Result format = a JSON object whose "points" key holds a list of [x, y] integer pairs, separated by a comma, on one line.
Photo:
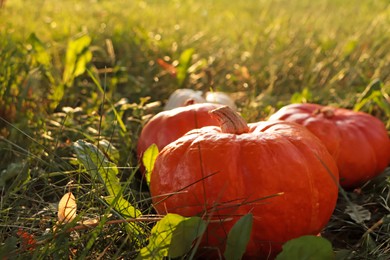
{"points": [[358, 141], [167, 126], [278, 171]]}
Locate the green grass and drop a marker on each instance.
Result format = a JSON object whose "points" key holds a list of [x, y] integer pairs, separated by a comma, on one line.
{"points": [[265, 53], [286, 46]]}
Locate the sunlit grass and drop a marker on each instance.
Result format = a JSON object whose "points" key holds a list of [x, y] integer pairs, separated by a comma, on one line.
{"points": [[331, 46]]}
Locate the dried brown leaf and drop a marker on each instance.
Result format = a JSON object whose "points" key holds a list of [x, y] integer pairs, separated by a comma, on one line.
{"points": [[67, 208]]}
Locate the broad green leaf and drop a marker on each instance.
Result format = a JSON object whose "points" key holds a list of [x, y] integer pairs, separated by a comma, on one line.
{"points": [[56, 95], [42, 57], [185, 234], [160, 238], [307, 248], [15, 176], [109, 150], [172, 236], [98, 166], [12, 171], [126, 210], [184, 64], [148, 159], [123, 206], [9, 245], [78, 55], [40, 53], [238, 237]]}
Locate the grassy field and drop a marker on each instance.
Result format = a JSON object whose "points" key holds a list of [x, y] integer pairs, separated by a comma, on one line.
{"points": [[72, 70]]}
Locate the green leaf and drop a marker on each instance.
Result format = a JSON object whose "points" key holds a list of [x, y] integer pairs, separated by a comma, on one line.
{"points": [[78, 55], [15, 176], [101, 169], [148, 159], [307, 248], [172, 236], [40, 53], [117, 115], [9, 245], [238, 237], [183, 66], [369, 92], [123, 206], [109, 150], [302, 97], [56, 95], [98, 166], [12, 171], [126, 210], [349, 47], [185, 234]]}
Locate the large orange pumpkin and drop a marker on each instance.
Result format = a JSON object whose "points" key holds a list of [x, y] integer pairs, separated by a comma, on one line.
{"points": [[358, 141], [167, 126], [278, 171]]}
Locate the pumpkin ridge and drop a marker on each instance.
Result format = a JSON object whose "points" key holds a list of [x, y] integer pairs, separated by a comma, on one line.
{"points": [[298, 143], [369, 141], [314, 198], [329, 132], [272, 162], [200, 140], [202, 175], [362, 150]]}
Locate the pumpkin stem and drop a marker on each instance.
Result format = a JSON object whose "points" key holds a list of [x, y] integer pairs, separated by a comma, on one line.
{"points": [[229, 121], [189, 101], [327, 112]]}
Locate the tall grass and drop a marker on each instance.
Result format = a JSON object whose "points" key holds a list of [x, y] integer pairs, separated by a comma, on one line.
{"points": [[285, 45]]}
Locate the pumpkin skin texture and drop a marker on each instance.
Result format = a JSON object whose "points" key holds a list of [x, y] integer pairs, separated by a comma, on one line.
{"points": [[275, 170], [167, 126], [358, 141]]}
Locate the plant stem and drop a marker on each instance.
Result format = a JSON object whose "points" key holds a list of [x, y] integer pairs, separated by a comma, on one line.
{"points": [[229, 121]]}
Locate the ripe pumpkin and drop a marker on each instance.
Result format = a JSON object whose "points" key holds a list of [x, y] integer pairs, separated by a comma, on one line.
{"points": [[275, 170], [167, 126], [358, 141], [180, 97]]}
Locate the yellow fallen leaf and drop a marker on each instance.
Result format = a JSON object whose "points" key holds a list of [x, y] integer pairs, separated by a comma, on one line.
{"points": [[67, 208]]}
